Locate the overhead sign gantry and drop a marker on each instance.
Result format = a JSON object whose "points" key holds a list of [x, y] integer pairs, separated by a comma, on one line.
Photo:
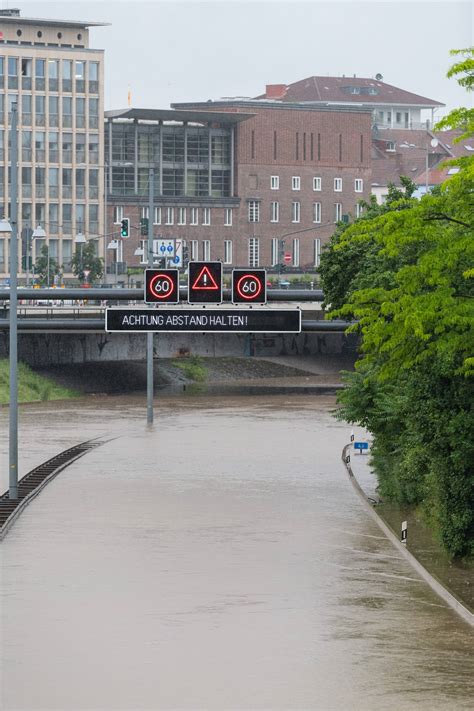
{"points": [[202, 315]]}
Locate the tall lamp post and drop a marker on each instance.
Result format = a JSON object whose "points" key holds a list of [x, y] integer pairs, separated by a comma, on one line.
{"points": [[39, 233], [12, 228], [81, 240], [433, 143]]}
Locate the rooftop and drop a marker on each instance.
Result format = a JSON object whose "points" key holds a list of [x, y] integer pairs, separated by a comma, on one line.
{"points": [[177, 115], [12, 16], [236, 104], [318, 89]]}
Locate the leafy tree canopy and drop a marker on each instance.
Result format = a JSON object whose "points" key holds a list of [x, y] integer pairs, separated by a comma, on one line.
{"points": [[85, 258]]}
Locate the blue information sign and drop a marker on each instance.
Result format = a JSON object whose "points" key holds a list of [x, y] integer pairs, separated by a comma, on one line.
{"points": [[361, 445]]}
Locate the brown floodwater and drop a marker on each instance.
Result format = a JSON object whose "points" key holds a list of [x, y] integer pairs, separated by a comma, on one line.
{"points": [[218, 560]]}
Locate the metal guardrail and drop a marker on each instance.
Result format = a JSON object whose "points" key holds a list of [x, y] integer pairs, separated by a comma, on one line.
{"points": [[137, 294], [98, 324]]}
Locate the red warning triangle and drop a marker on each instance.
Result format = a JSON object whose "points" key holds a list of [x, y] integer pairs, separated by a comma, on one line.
{"points": [[205, 281]]}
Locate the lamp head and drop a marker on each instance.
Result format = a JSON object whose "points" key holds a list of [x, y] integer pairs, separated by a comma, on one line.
{"points": [[38, 232]]}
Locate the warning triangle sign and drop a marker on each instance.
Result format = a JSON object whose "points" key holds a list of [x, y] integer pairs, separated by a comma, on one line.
{"points": [[205, 281]]}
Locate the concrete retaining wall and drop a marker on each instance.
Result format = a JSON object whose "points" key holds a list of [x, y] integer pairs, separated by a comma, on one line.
{"points": [[43, 349]]}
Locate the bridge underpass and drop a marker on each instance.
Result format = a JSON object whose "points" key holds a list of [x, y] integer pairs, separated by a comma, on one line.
{"points": [[54, 335]]}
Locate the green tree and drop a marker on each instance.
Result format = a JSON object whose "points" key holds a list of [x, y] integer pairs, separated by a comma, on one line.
{"points": [[85, 258], [353, 259], [461, 118], [411, 292], [46, 268]]}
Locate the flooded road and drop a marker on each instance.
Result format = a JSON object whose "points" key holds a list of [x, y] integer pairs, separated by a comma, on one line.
{"points": [[220, 560]]}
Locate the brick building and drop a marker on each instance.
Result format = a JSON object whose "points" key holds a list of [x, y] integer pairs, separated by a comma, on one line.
{"points": [[233, 179]]}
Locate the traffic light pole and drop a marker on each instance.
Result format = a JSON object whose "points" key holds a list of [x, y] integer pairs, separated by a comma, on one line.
{"points": [[149, 336]]}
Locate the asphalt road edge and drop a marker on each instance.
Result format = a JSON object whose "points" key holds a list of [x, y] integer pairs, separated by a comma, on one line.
{"points": [[434, 584]]}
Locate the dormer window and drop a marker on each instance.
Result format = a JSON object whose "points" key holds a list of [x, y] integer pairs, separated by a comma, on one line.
{"points": [[355, 90]]}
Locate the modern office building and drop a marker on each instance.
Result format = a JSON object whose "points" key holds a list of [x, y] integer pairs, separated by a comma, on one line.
{"points": [[236, 180], [56, 80]]}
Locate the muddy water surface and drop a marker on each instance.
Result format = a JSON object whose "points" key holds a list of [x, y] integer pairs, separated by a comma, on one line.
{"points": [[219, 560]]}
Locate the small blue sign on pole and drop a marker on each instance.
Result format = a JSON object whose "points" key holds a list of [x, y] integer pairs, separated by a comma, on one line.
{"points": [[361, 446]]}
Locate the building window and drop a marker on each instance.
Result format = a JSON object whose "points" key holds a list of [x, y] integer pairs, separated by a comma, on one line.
{"points": [[206, 249], [53, 74], [390, 146], [228, 217], [358, 185], [227, 251], [296, 182], [194, 216], [274, 211], [337, 211], [317, 252], [254, 211], [296, 252], [118, 214], [181, 215], [12, 72], [275, 255], [317, 212], [80, 73], [254, 252], [193, 250], [317, 184], [295, 211], [358, 210], [157, 216], [337, 185], [206, 215], [169, 216], [274, 182], [144, 213]]}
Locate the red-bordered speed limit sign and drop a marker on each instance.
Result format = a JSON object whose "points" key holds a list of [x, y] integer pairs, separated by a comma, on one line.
{"points": [[249, 286], [161, 286]]}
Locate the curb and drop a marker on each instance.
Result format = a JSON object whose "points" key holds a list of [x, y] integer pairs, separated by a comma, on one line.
{"points": [[434, 584], [39, 488]]}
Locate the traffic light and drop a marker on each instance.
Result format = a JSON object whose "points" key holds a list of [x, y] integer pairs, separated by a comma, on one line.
{"points": [[281, 256], [144, 226], [125, 227]]}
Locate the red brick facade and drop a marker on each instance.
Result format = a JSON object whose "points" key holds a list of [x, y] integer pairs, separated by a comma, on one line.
{"points": [[286, 143]]}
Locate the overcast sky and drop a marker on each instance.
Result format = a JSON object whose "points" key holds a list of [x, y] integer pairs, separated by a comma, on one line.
{"points": [[189, 50]]}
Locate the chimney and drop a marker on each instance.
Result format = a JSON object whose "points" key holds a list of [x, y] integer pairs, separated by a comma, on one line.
{"points": [[275, 91]]}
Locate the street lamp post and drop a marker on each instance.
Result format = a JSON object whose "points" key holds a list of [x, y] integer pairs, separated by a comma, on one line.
{"points": [[81, 240], [433, 143], [13, 409], [39, 233]]}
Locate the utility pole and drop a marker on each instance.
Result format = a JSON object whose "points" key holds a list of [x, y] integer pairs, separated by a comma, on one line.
{"points": [[149, 336], [13, 410]]}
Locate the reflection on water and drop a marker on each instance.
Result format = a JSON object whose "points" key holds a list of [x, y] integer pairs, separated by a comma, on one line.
{"points": [[218, 560]]}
